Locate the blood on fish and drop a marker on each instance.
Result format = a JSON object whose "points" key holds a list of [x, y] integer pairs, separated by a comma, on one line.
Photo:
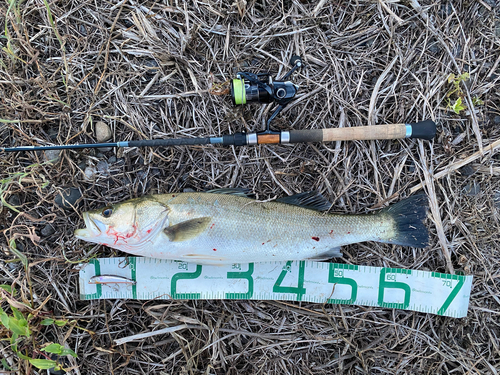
{"points": [[149, 231], [112, 232], [211, 226], [215, 249], [315, 238], [331, 231]]}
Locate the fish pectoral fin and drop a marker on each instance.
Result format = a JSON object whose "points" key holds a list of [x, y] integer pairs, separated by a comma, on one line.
{"points": [[187, 229], [331, 253]]}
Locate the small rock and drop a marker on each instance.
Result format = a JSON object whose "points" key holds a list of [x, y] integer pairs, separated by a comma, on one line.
{"points": [[112, 160], [82, 165], [496, 120], [53, 132], [52, 156], [90, 172], [103, 149], [83, 30], [47, 230], [496, 200], [434, 48], [102, 167], [102, 132], [472, 189], [14, 200], [152, 66], [68, 197], [467, 170]]}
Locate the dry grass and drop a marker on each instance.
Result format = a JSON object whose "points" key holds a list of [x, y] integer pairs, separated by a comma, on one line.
{"points": [[145, 70]]}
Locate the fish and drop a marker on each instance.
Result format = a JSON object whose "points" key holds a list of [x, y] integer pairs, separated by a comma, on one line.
{"points": [[227, 226]]}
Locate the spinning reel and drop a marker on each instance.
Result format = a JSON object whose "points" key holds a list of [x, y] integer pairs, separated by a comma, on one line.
{"points": [[261, 88]]}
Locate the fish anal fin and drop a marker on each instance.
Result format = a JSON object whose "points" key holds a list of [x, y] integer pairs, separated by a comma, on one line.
{"points": [[334, 252], [187, 230], [312, 200]]}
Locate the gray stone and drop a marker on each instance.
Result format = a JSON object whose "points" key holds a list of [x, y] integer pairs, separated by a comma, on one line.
{"points": [[467, 170], [90, 172], [472, 188], [47, 230], [112, 160], [496, 120], [68, 197], [14, 200], [52, 156], [102, 132], [102, 167], [104, 149]]}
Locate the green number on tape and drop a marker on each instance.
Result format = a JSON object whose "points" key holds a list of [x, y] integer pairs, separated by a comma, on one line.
{"points": [[299, 290], [133, 275], [336, 276], [447, 281], [242, 275], [387, 275], [185, 276], [97, 272]]}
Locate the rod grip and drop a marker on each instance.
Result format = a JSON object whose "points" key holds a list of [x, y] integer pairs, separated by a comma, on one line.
{"points": [[423, 130]]}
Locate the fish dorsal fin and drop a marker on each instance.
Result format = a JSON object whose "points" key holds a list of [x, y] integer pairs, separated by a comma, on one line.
{"points": [[240, 192], [187, 229], [312, 200]]}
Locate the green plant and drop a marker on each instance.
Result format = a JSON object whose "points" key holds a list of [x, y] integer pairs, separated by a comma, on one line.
{"points": [[16, 177], [10, 49], [458, 104], [21, 329]]}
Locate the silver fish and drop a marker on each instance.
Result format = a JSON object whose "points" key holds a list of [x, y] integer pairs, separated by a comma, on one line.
{"points": [[111, 279], [223, 227]]}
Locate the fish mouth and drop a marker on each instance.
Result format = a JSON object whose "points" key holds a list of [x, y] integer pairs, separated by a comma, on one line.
{"points": [[93, 228]]}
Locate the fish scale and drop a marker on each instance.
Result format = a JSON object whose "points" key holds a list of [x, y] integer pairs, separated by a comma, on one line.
{"points": [[267, 230]]}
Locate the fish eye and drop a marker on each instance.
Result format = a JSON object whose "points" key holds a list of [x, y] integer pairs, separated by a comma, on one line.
{"points": [[107, 211]]}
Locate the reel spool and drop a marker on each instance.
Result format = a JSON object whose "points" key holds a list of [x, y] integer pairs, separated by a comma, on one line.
{"points": [[249, 88]]}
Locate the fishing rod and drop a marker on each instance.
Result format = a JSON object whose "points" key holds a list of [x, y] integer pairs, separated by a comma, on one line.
{"points": [[261, 88]]}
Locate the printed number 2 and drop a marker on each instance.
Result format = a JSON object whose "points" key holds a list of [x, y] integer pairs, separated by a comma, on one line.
{"points": [[184, 276], [390, 274], [299, 290]]}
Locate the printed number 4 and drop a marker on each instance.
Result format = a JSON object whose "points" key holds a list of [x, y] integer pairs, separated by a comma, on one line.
{"points": [[299, 290]]}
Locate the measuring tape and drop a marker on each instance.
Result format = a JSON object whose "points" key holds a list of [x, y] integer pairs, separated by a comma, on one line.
{"points": [[319, 282]]}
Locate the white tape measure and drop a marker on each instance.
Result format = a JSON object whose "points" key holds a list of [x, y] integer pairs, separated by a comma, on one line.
{"points": [[309, 281]]}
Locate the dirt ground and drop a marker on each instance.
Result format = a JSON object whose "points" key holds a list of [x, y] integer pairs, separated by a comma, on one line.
{"points": [[145, 70]]}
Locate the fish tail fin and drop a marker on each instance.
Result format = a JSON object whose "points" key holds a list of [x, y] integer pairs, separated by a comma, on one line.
{"points": [[409, 215]]}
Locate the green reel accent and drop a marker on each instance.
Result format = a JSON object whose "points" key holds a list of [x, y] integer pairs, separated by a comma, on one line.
{"points": [[238, 91]]}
